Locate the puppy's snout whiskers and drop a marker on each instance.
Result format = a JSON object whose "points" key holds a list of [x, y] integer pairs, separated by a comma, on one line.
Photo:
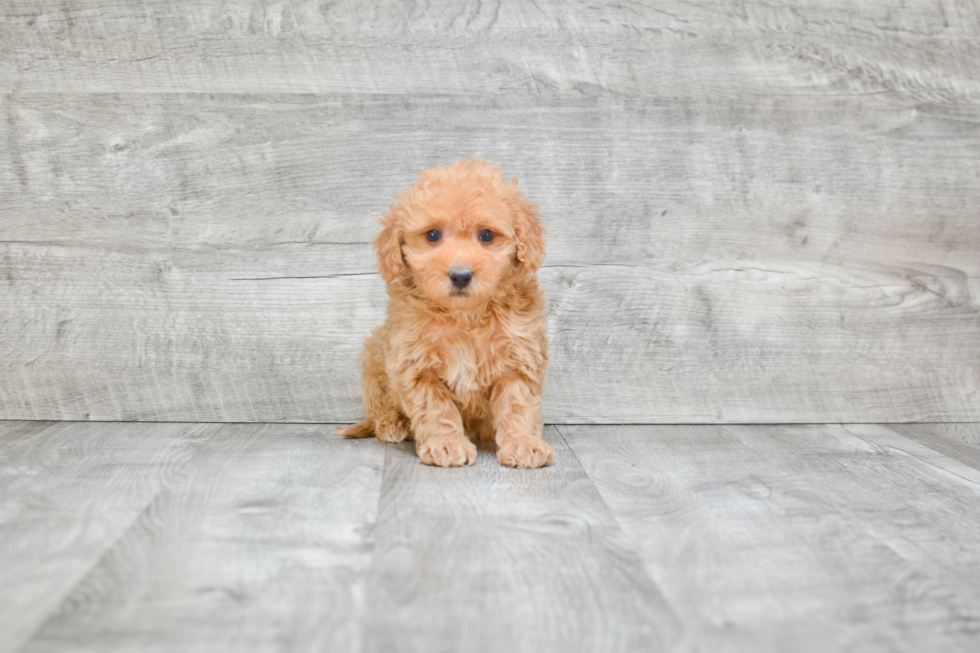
{"points": [[460, 277]]}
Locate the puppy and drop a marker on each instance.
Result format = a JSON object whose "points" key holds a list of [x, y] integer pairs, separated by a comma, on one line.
{"points": [[463, 349]]}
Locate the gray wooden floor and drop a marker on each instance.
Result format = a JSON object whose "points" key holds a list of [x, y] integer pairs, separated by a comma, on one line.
{"points": [[258, 537]]}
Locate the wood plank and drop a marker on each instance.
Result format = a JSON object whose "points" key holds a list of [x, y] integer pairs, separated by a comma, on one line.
{"points": [[803, 538], [618, 180], [488, 558], [726, 260], [168, 335], [264, 546], [158, 335], [920, 51], [784, 343], [68, 491], [960, 442]]}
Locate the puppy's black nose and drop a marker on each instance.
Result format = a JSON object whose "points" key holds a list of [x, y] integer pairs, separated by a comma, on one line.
{"points": [[460, 277]]}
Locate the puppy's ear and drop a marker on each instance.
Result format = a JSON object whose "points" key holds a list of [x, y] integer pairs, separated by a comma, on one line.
{"points": [[529, 230], [388, 246]]}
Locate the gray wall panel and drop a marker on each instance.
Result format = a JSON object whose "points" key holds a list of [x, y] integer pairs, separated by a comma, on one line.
{"points": [[756, 214]]}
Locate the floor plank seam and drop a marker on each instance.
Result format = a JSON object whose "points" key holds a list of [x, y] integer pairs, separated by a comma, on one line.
{"points": [[369, 574], [112, 545], [972, 482], [633, 547], [854, 520]]}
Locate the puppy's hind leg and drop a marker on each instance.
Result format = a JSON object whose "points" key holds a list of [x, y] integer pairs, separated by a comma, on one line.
{"points": [[391, 426], [383, 420]]}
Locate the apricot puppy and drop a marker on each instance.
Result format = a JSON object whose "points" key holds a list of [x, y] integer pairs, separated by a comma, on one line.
{"points": [[463, 349]]}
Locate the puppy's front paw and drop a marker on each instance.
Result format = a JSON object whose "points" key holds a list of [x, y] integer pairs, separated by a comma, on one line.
{"points": [[447, 451], [526, 452]]}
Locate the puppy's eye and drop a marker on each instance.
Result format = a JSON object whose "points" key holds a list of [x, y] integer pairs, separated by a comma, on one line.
{"points": [[486, 236], [433, 235]]}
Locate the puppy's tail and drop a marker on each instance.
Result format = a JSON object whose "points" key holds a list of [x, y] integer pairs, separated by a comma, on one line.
{"points": [[363, 429]]}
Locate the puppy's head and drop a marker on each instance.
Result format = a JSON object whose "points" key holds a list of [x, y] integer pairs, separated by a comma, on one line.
{"points": [[458, 232]]}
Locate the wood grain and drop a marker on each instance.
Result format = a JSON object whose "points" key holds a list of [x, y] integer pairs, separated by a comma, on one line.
{"points": [[206, 258], [264, 546], [493, 559], [797, 537], [68, 491], [919, 51]]}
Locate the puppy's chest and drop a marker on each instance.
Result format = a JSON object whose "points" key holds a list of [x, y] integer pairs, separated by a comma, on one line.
{"points": [[467, 365]]}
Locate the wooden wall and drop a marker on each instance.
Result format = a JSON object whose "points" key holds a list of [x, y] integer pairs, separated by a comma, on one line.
{"points": [[758, 212]]}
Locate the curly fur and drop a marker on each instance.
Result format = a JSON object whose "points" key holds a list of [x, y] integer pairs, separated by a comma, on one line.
{"points": [[451, 362]]}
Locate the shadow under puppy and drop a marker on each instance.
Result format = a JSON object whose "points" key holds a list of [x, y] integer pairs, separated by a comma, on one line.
{"points": [[463, 348]]}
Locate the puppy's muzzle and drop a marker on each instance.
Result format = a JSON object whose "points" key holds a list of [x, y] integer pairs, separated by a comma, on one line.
{"points": [[461, 277]]}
